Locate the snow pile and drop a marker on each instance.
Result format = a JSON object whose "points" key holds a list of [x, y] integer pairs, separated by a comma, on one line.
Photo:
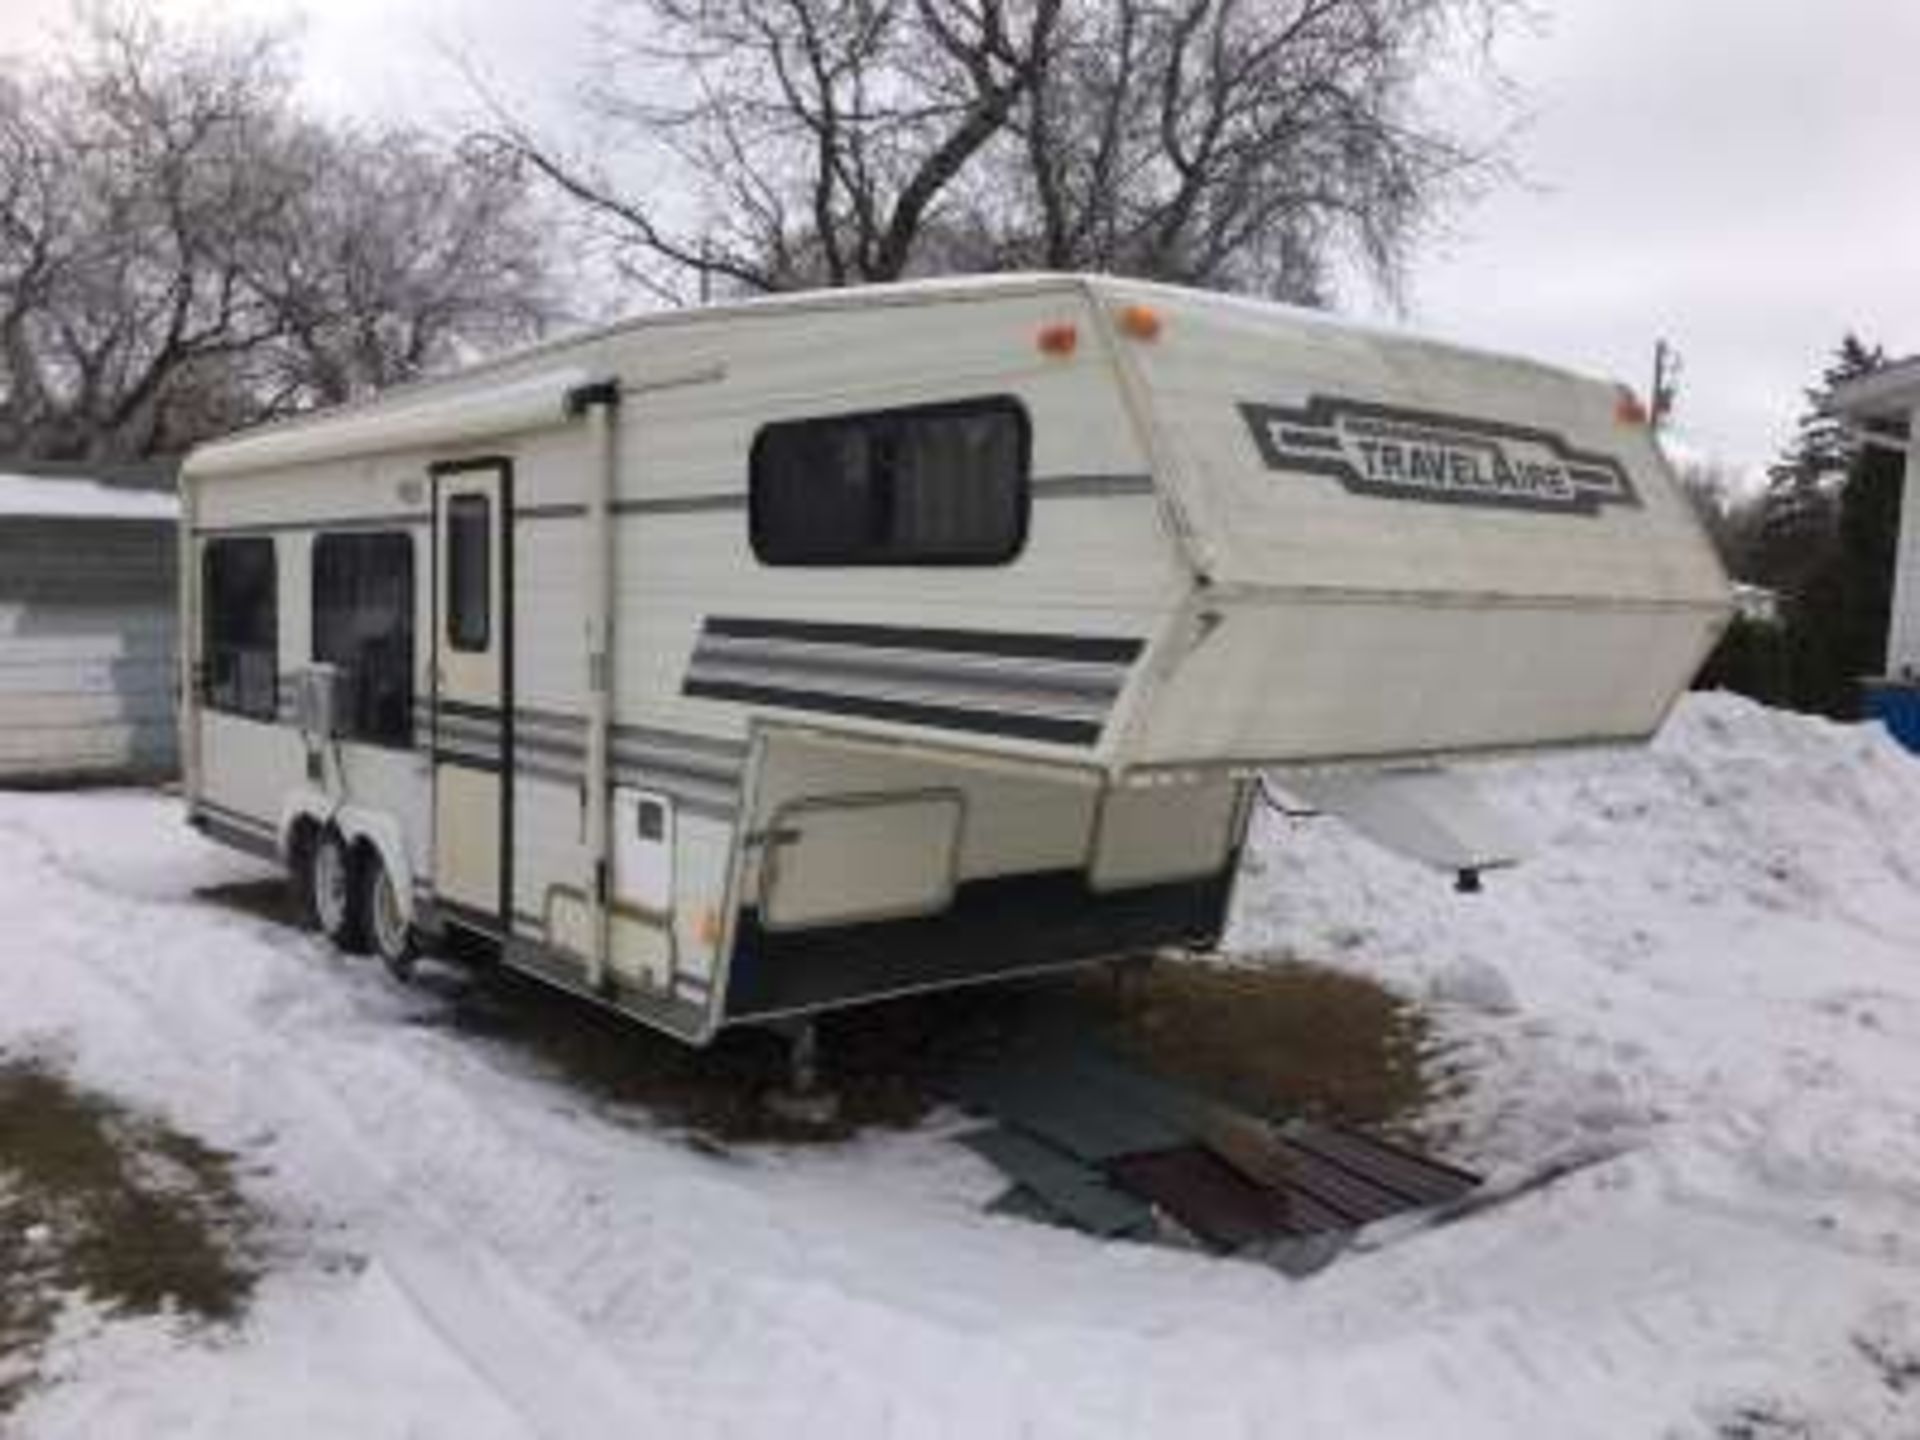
{"points": [[1723, 931], [1709, 965]]}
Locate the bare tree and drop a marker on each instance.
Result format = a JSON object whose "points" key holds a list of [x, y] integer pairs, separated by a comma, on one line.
{"points": [[1244, 143], [813, 140], [182, 250], [1731, 511], [1239, 143], [394, 259]]}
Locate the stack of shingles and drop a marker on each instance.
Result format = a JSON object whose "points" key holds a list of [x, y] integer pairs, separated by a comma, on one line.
{"points": [[1091, 1142]]}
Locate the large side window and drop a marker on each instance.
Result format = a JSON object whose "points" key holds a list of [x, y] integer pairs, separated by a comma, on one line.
{"points": [[928, 485], [469, 572], [363, 623], [240, 626]]}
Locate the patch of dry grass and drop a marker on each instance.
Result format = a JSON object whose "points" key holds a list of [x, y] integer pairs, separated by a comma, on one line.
{"points": [[97, 1201], [1283, 1040], [1276, 1039], [1286, 1039]]}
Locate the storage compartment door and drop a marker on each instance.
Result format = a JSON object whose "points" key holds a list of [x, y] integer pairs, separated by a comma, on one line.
{"points": [[641, 925], [839, 861]]}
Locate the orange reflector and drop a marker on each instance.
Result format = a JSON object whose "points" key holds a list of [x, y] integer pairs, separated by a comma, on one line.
{"points": [[707, 931], [1628, 409], [1059, 340], [1141, 322]]}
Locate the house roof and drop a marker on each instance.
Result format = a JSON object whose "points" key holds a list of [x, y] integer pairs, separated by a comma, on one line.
{"points": [[1890, 393], [71, 497]]}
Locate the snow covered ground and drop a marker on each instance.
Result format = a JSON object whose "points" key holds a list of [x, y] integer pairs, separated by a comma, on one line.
{"points": [[1711, 966]]}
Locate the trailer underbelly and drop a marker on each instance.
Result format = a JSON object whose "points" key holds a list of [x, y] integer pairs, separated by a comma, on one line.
{"points": [[994, 929]]}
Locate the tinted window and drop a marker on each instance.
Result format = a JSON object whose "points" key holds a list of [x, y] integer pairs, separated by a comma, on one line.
{"points": [[239, 636], [932, 485], [469, 578], [363, 623]]}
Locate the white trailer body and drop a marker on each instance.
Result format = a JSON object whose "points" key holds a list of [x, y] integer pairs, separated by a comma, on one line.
{"points": [[738, 663]]}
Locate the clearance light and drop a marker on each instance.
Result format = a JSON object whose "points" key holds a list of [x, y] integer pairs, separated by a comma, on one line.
{"points": [[1628, 409], [1141, 322], [1059, 341]]}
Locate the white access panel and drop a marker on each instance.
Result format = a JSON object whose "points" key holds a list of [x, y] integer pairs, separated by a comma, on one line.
{"points": [[858, 858], [643, 851]]}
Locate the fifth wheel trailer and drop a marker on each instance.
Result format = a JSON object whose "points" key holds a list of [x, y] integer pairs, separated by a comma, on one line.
{"points": [[738, 663]]}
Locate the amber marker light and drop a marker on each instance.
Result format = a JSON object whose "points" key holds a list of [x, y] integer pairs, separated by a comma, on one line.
{"points": [[1059, 341], [1141, 322], [1628, 409], [707, 930]]}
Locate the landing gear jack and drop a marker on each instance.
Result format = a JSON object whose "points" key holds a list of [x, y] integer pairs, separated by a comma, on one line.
{"points": [[803, 1100]]}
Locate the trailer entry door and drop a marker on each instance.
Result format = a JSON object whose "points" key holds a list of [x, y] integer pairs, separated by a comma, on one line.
{"points": [[472, 673]]}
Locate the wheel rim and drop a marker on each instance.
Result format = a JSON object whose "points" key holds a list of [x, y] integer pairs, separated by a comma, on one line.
{"points": [[330, 885], [389, 926]]}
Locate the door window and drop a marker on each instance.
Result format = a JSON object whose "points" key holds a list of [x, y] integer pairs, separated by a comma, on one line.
{"points": [[469, 572]]}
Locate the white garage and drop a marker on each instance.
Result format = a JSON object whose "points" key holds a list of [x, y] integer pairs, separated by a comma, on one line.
{"points": [[86, 629]]}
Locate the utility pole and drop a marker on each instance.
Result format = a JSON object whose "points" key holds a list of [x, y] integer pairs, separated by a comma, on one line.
{"points": [[1666, 384]]}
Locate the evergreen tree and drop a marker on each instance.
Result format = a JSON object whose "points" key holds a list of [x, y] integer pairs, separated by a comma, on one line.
{"points": [[1801, 515], [1830, 527]]}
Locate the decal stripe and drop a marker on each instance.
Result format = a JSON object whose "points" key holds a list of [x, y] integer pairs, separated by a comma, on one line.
{"points": [[921, 679], [1045, 487], [1026, 727], [1054, 688], [1112, 650]]}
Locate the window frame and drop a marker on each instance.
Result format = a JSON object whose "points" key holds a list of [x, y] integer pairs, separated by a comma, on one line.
{"points": [[897, 558], [210, 548], [403, 737], [458, 638]]}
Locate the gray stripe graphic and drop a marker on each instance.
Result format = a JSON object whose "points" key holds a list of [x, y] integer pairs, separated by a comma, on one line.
{"points": [[1090, 487], [1076, 690]]}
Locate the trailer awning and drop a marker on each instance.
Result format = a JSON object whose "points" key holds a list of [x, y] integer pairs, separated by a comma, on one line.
{"points": [[463, 417]]}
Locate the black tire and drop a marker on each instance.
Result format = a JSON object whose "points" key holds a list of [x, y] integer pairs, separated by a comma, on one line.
{"points": [[339, 907], [300, 878], [391, 937]]}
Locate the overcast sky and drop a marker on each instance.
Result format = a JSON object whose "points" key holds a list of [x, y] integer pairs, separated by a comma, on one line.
{"points": [[1736, 175]]}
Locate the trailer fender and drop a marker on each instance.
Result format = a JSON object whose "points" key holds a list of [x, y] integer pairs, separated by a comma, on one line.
{"points": [[306, 804], [382, 832], [357, 825]]}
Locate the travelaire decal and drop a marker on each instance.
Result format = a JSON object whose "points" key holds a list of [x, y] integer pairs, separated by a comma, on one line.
{"points": [[1399, 454]]}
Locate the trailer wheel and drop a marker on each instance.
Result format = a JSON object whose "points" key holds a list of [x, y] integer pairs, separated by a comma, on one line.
{"points": [[300, 875], [394, 940], [338, 902]]}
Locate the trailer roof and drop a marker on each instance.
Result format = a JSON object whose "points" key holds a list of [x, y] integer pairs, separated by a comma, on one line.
{"points": [[943, 290]]}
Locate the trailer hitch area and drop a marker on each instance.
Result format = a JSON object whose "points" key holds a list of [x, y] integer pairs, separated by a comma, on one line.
{"points": [[803, 1100], [771, 839]]}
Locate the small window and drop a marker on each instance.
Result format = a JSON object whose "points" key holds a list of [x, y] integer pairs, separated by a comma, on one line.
{"points": [[240, 620], [469, 572], [932, 485], [363, 623]]}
